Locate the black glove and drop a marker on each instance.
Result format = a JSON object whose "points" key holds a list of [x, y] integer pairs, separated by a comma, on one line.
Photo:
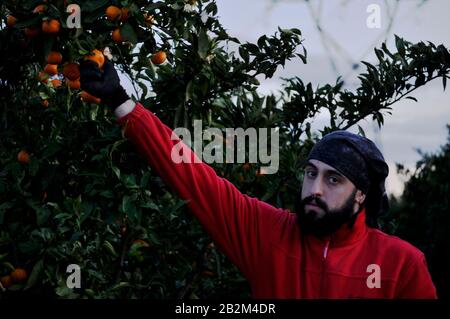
{"points": [[104, 84]]}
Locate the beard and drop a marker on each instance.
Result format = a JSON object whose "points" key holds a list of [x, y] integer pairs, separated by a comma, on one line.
{"points": [[311, 224]]}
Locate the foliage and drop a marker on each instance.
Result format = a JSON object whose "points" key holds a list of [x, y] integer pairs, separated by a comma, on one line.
{"points": [[87, 197], [421, 216]]}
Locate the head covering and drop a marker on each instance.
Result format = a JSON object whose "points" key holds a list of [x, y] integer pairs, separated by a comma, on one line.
{"points": [[358, 159]]}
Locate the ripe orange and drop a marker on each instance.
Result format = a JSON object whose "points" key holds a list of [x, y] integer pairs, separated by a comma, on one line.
{"points": [[74, 84], [44, 103], [56, 83], [32, 32], [43, 77], [51, 69], [141, 243], [23, 157], [113, 13], [11, 21], [40, 8], [54, 57], [96, 56], [116, 36], [88, 98], [159, 57], [71, 71], [125, 14], [51, 26], [6, 281], [19, 275]]}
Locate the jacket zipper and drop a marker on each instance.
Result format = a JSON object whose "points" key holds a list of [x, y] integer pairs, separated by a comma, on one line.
{"points": [[323, 268]]}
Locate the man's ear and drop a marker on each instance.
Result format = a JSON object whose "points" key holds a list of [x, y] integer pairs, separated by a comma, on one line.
{"points": [[360, 197]]}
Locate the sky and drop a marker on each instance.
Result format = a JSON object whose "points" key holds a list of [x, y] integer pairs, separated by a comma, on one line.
{"points": [[345, 40]]}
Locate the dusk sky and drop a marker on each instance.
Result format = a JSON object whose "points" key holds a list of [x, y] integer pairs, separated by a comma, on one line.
{"points": [[345, 40]]}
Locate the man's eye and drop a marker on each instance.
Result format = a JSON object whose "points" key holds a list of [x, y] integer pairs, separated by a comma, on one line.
{"points": [[333, 180], [310, 173]]}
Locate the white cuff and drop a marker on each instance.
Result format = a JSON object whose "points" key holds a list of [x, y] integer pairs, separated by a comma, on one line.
{"points": [[124, 108]]}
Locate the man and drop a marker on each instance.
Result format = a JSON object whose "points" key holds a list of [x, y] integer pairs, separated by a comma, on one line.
{"points": [[329, 249]]}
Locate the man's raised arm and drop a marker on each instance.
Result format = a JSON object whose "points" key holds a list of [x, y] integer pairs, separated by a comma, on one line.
{"points": [[240, 225]]}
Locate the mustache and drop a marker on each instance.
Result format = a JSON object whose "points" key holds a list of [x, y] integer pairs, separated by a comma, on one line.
{"points": [[314, 200]]}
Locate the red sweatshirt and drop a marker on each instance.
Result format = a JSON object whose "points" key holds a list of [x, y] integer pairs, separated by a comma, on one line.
{"points": [[266, 243]]}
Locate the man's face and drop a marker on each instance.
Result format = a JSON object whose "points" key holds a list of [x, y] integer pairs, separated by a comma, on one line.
{"points": [[328, 199]]}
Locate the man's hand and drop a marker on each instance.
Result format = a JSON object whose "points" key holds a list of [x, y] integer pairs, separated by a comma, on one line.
{"points": [[104, 84]]}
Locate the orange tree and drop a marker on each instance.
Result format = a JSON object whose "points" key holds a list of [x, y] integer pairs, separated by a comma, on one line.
{"points": [[74, 191]]}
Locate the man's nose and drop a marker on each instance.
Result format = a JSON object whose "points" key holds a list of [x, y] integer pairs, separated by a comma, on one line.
{"points": [[316, 188]]}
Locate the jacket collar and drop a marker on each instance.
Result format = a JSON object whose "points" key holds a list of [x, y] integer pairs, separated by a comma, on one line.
{"points": [[347, 234]]}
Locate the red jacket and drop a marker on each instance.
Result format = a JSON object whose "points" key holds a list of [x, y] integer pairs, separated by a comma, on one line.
{"points": [[266, 243]]}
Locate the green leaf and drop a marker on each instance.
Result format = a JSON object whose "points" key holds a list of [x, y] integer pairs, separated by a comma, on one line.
{"points": [[412, 98], [90, 6], [203, 44], [128, 34], [35, 274], [399, 43], [244, 54], [116, 171], [109, 247], [361, 131]]}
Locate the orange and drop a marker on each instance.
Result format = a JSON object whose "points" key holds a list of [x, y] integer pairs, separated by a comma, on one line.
{"points": [[51, 69], [23, 157], [141, 243], [6, 281], [44, 103], [43, 77], [113, 13], [116, 36], [54, 57], [11, 21], [56, 83], [19, 275], [96, 56], [86, 97], [159, 57], [40, 8], [51, 26], [125, 14], [74, 84], [32, 32], [71, 71]]}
